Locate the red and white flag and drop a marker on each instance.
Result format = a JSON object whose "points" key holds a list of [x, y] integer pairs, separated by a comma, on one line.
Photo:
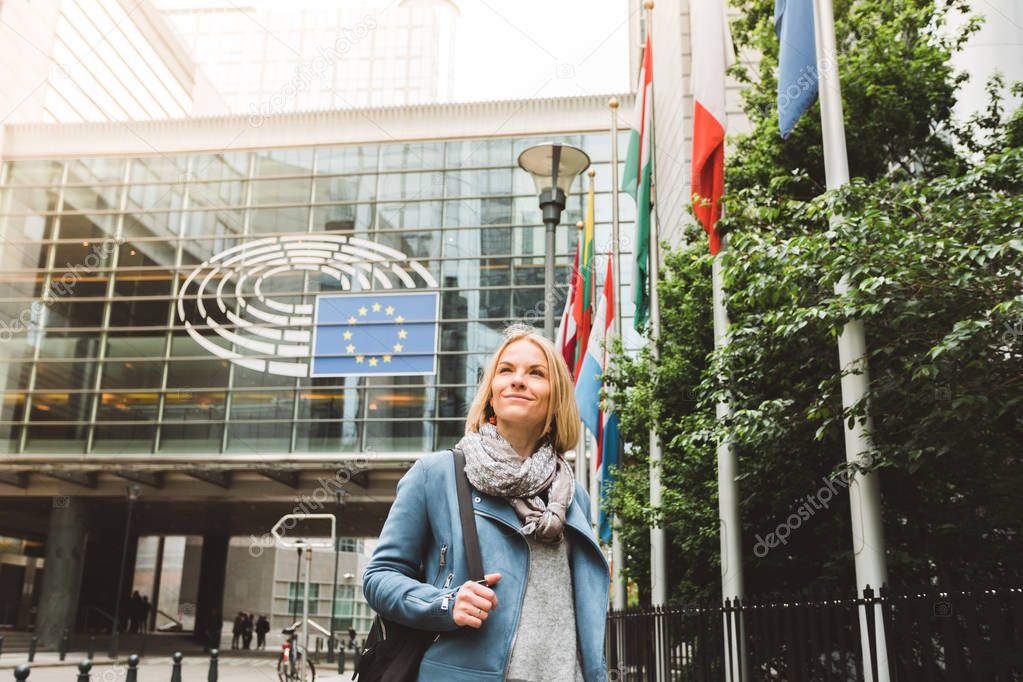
{"points": [[712, 55], [568, 335]]}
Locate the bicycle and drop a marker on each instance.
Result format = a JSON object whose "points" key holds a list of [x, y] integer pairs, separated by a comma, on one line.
{"points": [[292, 658]]}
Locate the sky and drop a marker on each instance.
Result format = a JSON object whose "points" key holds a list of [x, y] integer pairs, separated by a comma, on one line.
{"points": [[538, 48]]}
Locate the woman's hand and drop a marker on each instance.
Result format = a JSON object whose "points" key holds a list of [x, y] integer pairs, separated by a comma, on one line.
{"points": [[474, 602]]}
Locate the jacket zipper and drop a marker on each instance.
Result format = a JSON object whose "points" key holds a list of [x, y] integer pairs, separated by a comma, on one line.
{"points": [[515, 632], [443, 554]]}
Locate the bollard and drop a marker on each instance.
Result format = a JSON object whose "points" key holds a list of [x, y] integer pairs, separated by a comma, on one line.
{"points": [[133, 669], [65, 641], [341, 660], [212, 676], [83, 670], [91, 653], [176, 668], [1, 645], [32, 644], [331, 644], [21, 672]]}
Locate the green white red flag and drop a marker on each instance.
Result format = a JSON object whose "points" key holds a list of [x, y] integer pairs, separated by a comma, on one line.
{"points": [[637, 182]]}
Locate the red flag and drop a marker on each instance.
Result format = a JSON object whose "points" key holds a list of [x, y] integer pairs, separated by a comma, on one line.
{"points": [[568, 336]]}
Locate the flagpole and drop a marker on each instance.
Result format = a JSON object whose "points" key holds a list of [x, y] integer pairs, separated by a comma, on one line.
{"points": [[864, 489], [617, 551], [592, 471], [658, 538]]}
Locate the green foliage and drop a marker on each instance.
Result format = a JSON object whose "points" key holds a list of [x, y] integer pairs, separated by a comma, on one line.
{"points": [[930, 242]]}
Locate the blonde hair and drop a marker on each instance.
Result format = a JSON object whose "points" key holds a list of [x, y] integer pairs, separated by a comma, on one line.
{"points": [[562, 411]]}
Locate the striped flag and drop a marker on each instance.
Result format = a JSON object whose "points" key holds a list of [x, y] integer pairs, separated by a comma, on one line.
{"points": [[600, 417], [637, 181], [568, 335], [582, 305], [712, 55]]}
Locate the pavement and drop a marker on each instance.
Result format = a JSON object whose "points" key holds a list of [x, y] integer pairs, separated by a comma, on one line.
{"points": [[158, 669]]}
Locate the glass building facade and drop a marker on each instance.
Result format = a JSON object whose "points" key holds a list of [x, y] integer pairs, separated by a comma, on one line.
{"points": [[96, 252]]}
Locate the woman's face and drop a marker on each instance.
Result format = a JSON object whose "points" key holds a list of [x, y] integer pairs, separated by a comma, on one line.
{"points": [[521, 387]]}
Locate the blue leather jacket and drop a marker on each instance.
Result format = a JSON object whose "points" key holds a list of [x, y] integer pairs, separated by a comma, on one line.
{"points": [[423, 527]]}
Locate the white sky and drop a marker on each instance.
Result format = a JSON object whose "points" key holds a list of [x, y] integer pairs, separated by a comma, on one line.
{"points": [[514, 49]]}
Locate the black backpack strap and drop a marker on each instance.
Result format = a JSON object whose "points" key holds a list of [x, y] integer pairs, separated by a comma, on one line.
{"points": [[473, 559]]}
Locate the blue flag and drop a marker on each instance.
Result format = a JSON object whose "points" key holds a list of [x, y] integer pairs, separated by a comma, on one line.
{"points": [[797, 61], [375, 334]]}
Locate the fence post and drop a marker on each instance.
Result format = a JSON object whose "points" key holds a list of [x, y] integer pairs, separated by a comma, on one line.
{"points": [[91, 654], [32, 644], [213, 673], [133, 669], [65, 640], [21, 672], [176, 668], [83, 670], [868, 605]]}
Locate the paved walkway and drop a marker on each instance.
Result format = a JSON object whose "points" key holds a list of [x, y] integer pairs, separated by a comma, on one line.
{"points": [[194, 669]]}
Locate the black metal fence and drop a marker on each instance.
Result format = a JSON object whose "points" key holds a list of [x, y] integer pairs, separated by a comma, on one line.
{"points": [[925, 635]]}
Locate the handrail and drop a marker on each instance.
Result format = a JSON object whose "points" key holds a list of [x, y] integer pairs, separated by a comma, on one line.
{"points": [[101, 612], [170, 618]]}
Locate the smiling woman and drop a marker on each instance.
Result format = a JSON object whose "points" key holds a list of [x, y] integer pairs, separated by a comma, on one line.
{"points": [[534, 535]]}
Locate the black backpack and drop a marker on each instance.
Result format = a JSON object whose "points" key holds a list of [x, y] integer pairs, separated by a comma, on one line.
{"points": [[393, 651]]}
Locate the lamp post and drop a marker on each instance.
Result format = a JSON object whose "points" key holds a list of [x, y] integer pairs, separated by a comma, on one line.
{"points": [[115, 634], [554, 167], [338, 502]]}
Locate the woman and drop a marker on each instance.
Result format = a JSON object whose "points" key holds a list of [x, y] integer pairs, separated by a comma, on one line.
{"points": [[541, 616]]}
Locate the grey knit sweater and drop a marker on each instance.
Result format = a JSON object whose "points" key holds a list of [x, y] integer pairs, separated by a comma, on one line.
{"points": [[545, 643]]}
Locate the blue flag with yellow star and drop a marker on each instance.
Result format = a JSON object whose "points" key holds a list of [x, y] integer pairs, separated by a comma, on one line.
{"points": [[375, 334]]}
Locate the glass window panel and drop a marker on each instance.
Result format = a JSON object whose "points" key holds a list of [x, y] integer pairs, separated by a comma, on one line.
{"points": [[346, 188], [197, 373], [66, 375], [190, 437], [230, 193], [261, 436], [467, 153], [73, 314], [139, 313], [30, 228], [411, 186], [227, 166], [148, 279], [56, 438], [418, 156], [99, 169], [268, 220], [92, 198], [34, 172], [349, 159], [61, 407], [527, 305], [155, 196], [354, 218], [16, 365], [474, 212], [87, 227], [413, 244], [190, 406], [470, 183], [284, 162], [132, 374], [163, 226], [158, 168], [135, 345], [139, 406], [281, 191], [598, 146], [28, 199], [395, 410], [411, 215], [74, 344], [127, 439]]}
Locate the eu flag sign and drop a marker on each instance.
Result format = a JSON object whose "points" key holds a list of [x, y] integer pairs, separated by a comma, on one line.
{"points": [[375, 334]]}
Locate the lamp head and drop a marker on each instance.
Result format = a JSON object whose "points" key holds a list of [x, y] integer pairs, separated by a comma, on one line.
{"points": [[554, 167]]}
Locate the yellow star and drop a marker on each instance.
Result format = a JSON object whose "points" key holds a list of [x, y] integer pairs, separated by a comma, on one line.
{"points": [[387, 358], [358, 358], [347, 335], [399, 319], [376, 307], [397, 348], [362, 310], [350, 348], [352, 320], [402, 333], [372, 362], [389, 310]]}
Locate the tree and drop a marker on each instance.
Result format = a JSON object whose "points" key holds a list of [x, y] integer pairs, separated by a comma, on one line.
{"points": [[931, 239]]}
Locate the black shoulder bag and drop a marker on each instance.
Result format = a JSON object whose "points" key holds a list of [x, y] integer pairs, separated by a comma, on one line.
{"points": [[393, 651]]}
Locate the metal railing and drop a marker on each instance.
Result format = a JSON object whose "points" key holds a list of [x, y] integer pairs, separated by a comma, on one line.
{"points": [[928, 635]]}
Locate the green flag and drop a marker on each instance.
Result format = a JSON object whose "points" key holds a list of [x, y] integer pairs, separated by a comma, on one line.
{"points": [[636, 182]]}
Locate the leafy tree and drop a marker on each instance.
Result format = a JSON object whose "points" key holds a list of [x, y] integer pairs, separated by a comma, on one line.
{"points": [[930, 238]]}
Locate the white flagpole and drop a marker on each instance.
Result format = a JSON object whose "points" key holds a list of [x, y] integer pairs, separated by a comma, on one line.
{"points": [[864, 490], [617, 551]]}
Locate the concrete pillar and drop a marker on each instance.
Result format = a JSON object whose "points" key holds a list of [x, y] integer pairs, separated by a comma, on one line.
{"points": [[209, 602], [62, 575]]}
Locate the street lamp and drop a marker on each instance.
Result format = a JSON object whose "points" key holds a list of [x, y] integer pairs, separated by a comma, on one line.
{"points": [[554, 168], [115, 635]]}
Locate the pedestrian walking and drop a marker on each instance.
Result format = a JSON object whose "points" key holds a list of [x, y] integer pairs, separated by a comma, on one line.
{"points": [[236, 630], [247, 626], [542, 617], [262, 627], [134, 611]]}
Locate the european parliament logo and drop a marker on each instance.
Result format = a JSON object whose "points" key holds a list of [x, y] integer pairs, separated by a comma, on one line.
{"points": [[375, 334]]}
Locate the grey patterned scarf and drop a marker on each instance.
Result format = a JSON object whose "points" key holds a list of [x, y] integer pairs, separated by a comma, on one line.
{"points": [[493, 467]]}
